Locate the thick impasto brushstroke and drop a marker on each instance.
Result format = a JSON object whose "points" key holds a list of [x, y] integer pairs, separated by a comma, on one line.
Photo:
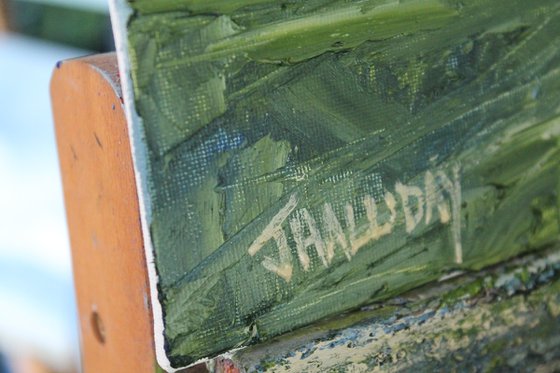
{"points": [[307, 157]]}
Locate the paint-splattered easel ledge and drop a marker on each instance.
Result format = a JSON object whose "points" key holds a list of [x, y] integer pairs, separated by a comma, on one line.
{"points": [[300, 159], [505, 318]]}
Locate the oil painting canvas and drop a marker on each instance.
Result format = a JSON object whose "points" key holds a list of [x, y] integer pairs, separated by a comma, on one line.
{"points": [[297, 159]]}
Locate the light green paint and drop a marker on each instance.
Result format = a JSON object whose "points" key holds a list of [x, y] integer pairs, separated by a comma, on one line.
{"points": [[249, 106]]}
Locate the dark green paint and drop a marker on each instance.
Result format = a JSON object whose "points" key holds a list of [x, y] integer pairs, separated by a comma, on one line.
{"points": [[75, 26], [248, 103]]}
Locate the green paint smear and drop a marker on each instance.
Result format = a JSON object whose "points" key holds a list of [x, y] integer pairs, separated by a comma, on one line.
{"points": [[248, 103], [501, 314]]}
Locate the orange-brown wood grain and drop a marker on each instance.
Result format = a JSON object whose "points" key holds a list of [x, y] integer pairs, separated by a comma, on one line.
{"points": [[3, 16], [103, 216]]}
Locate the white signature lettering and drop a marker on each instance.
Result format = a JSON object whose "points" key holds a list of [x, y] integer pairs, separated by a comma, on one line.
{"points": [[416, 204]]}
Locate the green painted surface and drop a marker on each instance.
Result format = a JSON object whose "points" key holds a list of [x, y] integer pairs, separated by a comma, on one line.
{"points": [[506, 319], [309, 157], [80, 27]]}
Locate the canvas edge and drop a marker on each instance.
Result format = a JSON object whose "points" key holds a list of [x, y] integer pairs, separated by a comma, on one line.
{"points": [[120, 13]]}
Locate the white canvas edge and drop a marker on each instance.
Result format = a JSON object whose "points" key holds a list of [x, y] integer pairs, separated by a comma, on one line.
{"points": [[120, 13]]}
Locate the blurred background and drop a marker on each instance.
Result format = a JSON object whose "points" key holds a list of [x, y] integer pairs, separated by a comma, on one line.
{"points": [[38, 321]]}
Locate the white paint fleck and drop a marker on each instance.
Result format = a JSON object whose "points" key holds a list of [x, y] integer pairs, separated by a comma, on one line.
{"points": [[301, 219], [453, 188], [334, 234], [377, 231], [356, 241], [435, 198], [275, 231], [455, 192], [411, 218]]}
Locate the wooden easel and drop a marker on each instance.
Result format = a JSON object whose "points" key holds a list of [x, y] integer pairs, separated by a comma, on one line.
{"points": [[3, 20], [103, 217]]}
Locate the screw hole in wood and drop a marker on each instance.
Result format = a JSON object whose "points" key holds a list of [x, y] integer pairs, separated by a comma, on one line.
{"points": [[98, 327]]}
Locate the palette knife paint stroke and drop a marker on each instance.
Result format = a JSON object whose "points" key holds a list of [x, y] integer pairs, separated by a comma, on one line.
{"points": [[305, 158]]}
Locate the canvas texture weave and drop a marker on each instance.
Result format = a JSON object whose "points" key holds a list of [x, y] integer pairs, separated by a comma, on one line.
{"points": [[306, 158]]}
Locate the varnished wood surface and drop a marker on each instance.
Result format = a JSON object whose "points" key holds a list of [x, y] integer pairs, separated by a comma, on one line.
{"points": [[3, 20], [103, 217]]}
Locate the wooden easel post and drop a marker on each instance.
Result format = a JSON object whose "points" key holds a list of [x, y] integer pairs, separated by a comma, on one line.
{"points": [[3, 20], [103, 217]]}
